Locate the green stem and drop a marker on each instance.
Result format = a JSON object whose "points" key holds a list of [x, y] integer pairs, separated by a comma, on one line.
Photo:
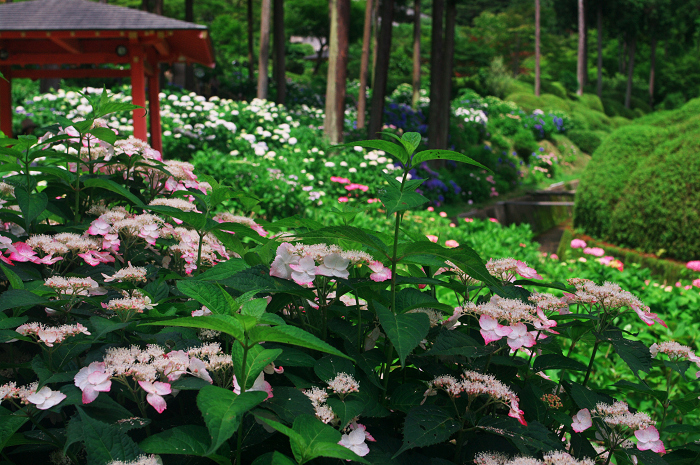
{"points": [[590, 364], [241, 383], [387, 368], [667, 401]]}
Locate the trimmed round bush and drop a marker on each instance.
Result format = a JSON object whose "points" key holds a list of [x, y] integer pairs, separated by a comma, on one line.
{"points": [[588, 141], [642, 187]]}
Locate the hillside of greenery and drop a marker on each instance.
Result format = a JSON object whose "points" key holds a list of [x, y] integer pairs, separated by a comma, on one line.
{"points": [[642, 187]]}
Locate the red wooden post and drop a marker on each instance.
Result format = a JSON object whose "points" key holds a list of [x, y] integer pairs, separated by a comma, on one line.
{"points": [[138, 93], [154, 109], [6, 101]]}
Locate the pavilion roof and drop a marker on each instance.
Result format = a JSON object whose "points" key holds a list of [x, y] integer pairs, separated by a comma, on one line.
{"points": [[60, 32], [67, 15]]}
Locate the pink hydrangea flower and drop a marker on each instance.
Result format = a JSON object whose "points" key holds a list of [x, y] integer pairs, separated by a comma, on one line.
{"points": [[339, 179], [595, 251], [693, 265], [355, 441], [21, 252], [92, 380], [578, 244], [519, 336], [94, 258], [582, 420], [648, 317], [648, 438], [156, 391], [380, 272], [281, 265], [343, 199], [451, 243], [99, 227], [431, 238], [305, 271], [259, 385], [334, 265], [45, 398], [525, 271], [491, 330], [443, 214]]}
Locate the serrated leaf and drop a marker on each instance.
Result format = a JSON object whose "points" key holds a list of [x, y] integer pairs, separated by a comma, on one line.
{"points": [[32, 205], [20, 298], [411, 141], [222, 270], [181, 440], [257, 358], [273, 458], [223, 411], [224, 323], [427, 425], [288, 403], [346, 409], [634, 353], [397, 200], [104, 134], [557, 362], [15, 281], [9, 424], [316, 439], [208, 294], [113, 187], [394, 149], [291, 335], [105, 443], [328, 367], [407, 396], [427, 155], [404, 331]]}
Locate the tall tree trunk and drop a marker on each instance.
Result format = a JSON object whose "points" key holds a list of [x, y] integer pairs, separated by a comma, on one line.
{"points": [[516, 56], [416, 54], [437, 64], [630, 74], [623, 56], [585, 42], [280, 72], [264, 53], [337, 70], [189, 69], [652, 72], [376, 112], [251, 67], [599, 84], [375, 39], [537, 48], [364, 65], [445, 113], [581, 46]]}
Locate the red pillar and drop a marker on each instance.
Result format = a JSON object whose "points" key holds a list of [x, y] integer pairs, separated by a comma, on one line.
{"points": [[154, 109], [138, 93], [6, 101]]}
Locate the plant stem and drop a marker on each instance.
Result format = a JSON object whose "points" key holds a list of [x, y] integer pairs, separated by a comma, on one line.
{"points": [[590, 364], [241, 383], [387, 368]]}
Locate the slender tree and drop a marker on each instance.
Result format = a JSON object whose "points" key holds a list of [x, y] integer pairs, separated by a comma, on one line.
{"points": [[189, 69], [337, 70], [652, 67], [630, 70], [376, 112], [364, 65], [581, 65], [264, 53], [416, 53], [279, 40], [436, 71], [599, 83], [251, 67], [375, 38], [537, 48], [449, 41]]}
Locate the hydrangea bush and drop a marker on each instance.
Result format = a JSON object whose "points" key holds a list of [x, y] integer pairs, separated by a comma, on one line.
{"points": [[145, 323]]}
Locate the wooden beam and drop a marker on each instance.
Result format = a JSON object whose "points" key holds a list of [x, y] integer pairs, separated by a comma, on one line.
{"points": [[138, 92], [64, 59], [6, 101], [154, 110], [70, 45], [70, 73], [160, 44]]}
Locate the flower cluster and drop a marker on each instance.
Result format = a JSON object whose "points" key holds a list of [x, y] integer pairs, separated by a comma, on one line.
{"points": [[43, 398], [506, 269], [609, 297], [51, 335], [302, 263], [619, 421], [549, 458], [475, 384], [153, 369], [675, 352]]}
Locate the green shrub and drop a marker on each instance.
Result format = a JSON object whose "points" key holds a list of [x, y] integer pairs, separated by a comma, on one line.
{"points": [[588, 141], [555, 88], [592, 102], [642, 188], [530, 103], [619, 121], [616, 108], [607, 174]]}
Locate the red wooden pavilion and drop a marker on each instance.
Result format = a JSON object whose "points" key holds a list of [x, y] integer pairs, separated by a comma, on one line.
{"points": [[79, 32]]}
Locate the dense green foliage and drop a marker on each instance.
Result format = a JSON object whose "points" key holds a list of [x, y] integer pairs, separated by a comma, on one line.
{"points": [[641, 188]]}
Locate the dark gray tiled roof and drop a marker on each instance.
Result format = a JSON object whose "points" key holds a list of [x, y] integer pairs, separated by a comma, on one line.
{"points": [[58, 15]]}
